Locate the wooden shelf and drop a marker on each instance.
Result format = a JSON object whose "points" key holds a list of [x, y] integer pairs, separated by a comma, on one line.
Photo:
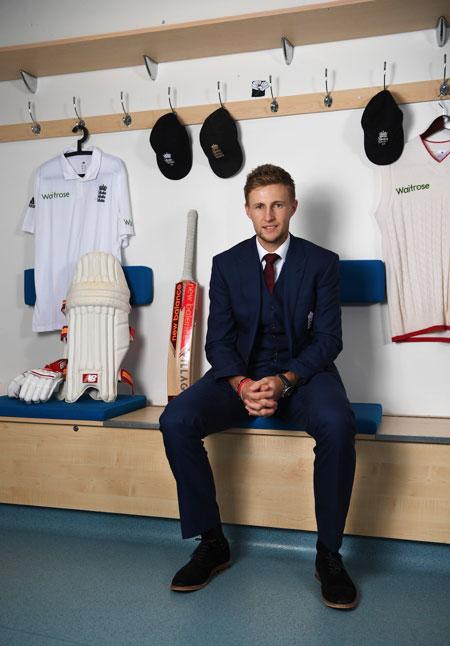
{"points": [[240, 110], [323, 22]]}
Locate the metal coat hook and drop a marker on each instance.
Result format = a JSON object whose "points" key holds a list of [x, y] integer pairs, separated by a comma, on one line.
{"points": [[443, 90], [30, 80], [80, 122], [126, 120], [169, 92], [442, 31], [218, 92], [328, 99], [274, 104], [152, 67], [288, 50], [35, 128], [384, 75]]}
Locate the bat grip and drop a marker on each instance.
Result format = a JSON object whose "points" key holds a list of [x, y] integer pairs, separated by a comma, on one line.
{"points": [[191, 232]]}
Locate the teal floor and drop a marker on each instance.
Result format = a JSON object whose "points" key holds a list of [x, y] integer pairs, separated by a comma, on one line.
{"points": [[93, 579]]}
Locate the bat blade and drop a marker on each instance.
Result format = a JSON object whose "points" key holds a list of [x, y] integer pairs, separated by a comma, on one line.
{"points": [[181, 340]]}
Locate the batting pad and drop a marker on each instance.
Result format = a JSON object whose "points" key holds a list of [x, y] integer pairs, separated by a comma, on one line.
{"points": [[98, 336]]}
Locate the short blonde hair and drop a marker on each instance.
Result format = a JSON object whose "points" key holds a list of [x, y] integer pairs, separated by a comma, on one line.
{"points": [[268, 174]]}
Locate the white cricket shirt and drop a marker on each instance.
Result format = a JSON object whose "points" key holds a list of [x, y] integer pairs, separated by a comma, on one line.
{"points": [[71, 215], [414, 218]]}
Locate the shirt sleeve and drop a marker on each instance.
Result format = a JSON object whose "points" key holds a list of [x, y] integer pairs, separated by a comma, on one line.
{"points": [[125, 219], [29, 216]]}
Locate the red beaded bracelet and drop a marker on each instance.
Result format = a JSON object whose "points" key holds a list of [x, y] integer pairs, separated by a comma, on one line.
{"points": [[241, 384]]}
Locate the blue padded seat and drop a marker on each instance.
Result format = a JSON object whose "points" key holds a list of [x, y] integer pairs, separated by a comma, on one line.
{"points": [[368, 419], [85, 408], [139, 279], [362, 281]]}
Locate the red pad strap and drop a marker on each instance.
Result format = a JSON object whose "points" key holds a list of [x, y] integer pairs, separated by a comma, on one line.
{"points": [[60, 365], [63, 333], [127, 378]]}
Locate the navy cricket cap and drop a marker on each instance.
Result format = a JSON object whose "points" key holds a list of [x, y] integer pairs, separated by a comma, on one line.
{"points": [[170, 141], [382, 122], [220, 143]]}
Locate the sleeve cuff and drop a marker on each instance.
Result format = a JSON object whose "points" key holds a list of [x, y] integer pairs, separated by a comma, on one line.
{"points": [[229, 371]]}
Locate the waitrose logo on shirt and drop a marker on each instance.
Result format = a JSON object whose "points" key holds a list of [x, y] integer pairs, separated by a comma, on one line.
{"points": [[50, 196], [411, 188]]}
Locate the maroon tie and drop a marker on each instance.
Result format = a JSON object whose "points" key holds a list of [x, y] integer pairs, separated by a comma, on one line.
{"points": [[269, 271]]}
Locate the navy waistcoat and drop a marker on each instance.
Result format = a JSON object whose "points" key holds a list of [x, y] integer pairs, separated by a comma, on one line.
{"points": [[271, 349]]}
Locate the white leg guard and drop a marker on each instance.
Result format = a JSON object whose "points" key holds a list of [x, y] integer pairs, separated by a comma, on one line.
{"points": [[98, 337]]}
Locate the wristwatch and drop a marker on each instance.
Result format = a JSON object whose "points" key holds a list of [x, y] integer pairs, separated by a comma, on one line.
{"points": [[288, 388]]}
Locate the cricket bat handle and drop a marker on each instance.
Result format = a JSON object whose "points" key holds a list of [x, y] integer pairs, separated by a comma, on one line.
{"points": [[191, 232]]}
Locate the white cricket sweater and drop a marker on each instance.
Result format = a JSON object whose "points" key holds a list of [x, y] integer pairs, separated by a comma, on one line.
{"points": [[414, 218]]}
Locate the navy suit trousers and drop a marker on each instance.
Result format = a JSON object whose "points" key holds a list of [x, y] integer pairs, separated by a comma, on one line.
{"points": [[319, 407]]}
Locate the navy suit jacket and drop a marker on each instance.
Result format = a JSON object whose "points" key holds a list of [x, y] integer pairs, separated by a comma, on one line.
{"points": [[311, 283]]}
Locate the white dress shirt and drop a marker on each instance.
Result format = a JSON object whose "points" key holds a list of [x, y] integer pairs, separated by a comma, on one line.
{"points": [[281, 251]]}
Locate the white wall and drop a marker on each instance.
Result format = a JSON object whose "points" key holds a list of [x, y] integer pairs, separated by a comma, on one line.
{"points": [[323, 152]]}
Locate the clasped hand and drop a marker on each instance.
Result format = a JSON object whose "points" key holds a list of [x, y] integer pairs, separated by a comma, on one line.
{"points": [[261, 397]]}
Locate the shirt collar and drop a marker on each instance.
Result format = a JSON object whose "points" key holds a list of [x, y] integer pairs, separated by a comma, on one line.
{"points": [[281, 251], [92, 170]]}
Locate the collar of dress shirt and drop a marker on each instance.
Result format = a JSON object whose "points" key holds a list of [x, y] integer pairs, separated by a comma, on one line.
{"points": [[281, 251]]}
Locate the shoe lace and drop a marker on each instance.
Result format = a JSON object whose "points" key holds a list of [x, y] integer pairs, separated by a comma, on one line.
{"points": [[334, 562], [203, 550]]}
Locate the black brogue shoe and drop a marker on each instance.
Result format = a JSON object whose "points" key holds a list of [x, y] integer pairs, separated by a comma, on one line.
{"points": [[338, 590], [209, 558]]}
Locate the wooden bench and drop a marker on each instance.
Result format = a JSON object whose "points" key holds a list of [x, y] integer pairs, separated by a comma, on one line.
{"points": [[263, 476]]}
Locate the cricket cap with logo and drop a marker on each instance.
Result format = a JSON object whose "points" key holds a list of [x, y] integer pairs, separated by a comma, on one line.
{"points": [[382, 122], [170, 141], [220, 143]]}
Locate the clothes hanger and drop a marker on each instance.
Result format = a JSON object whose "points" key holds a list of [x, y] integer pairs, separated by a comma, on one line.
{"points": [[80, 142], [440, 123], [80, 125]]}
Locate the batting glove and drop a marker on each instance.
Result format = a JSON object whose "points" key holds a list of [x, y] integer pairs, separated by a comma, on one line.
{"points": [[35, 386]]}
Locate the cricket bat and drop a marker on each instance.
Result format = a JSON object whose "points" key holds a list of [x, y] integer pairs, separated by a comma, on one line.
{"points": [[180, 357]]}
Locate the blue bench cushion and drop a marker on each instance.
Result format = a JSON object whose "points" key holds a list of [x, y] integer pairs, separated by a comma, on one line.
{"points": [[85, 408], [368, 419], [139, 279], [362, 281]]}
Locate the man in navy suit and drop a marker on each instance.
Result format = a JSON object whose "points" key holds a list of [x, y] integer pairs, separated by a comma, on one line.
{"points": [[274, 330]]}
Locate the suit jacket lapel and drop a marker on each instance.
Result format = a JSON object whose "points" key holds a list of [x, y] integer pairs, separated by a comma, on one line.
{"points": [[250, 282], [294, 268]]}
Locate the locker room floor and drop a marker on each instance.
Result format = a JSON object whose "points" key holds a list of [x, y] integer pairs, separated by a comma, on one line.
{"points": [[84, 578]]}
